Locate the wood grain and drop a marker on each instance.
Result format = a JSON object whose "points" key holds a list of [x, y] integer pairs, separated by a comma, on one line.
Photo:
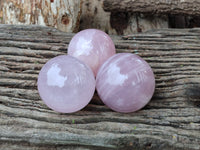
{"points": [[186, 7], [61, 14], [94, 16], [170, 121]]}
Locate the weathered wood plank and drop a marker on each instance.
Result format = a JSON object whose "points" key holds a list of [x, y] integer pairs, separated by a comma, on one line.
{"points": [[170, 121], [187, 7], [61, 14], [93, 16]]}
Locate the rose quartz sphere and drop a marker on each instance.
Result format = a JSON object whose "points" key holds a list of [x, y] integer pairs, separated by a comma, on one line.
{"points": [[93, 47], [125, 82], [65, 84]]}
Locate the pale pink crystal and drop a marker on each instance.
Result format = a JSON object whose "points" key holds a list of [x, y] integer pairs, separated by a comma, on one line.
{"points": [[65, 84], [125, 82], [93, 47]]}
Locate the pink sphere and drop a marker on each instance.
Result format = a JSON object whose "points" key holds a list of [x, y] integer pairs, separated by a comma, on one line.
{"points": [[93, 47], [125, 82], [65, 84]]}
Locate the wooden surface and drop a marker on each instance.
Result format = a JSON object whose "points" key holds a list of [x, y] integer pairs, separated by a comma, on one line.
{"points": [[170, 121], [94, 16], [61, 14], [187, 7], [75, 15]]}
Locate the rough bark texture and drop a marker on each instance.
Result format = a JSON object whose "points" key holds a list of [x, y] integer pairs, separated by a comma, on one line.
{"points": [[170, 121], [62, 14], [66, 15], [93, 16], [189, 7]]}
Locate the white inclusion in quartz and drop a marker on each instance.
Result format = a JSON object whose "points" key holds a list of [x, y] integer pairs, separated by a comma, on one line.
{"points": [[140, 76], [54, 78], [78, 79], [120, 102], [133, 83], [114, 75], [84, 46]]}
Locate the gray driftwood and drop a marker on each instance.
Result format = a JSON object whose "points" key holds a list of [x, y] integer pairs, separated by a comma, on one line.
{"points": [[188, 7], [170, 121]]}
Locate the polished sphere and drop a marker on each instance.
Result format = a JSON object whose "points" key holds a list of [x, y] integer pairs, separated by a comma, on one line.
{"points": [[125, 82], [65, 84], [93, 47]]}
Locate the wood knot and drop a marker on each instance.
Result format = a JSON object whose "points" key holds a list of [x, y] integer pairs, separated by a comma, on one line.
{"points": [[65, 19]]}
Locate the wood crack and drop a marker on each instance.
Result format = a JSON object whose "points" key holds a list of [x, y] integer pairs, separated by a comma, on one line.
{"points": [[170, 121]]}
